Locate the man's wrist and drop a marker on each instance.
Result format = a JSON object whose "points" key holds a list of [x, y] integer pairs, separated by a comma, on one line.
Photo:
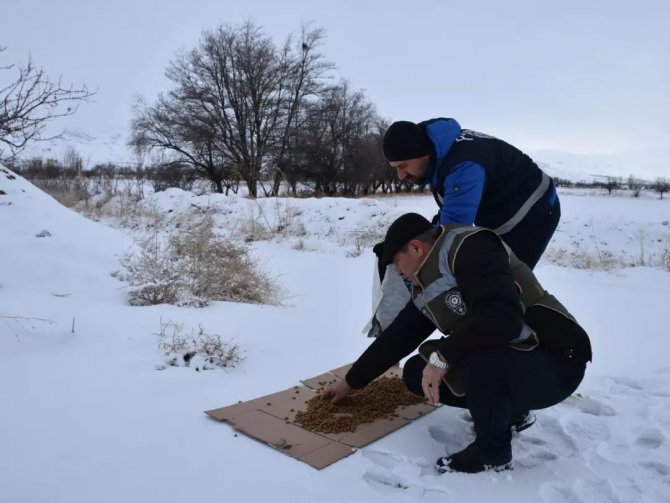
{"points": [[437, 360]]}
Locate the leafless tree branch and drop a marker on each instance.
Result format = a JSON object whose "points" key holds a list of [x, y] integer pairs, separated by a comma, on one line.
{"points": [[29, 101]]}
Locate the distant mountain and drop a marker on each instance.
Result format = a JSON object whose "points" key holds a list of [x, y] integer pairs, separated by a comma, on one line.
{"points": [[107, 147], [594, 167]]}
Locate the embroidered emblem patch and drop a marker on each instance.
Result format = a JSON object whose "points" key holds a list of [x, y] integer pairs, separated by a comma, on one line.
{"points": [[455, 302]]}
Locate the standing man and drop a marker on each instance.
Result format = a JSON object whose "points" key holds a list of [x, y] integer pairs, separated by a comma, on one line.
{"points": [[478, 179], [508, 345]]}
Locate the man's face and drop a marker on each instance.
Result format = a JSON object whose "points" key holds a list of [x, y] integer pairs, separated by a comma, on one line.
{"points": [[412, 170], [407, 262]]}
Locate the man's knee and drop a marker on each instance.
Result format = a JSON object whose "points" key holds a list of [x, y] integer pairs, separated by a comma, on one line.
{"points": [[487, 370], [485, 360], [412, 373]]}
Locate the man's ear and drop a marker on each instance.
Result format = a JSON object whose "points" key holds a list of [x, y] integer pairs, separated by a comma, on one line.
{"points": [[417, 246]]}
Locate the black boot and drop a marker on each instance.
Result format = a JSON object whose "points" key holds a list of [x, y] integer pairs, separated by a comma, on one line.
{"points": [[519, 423], [523, 421], [473, 459]]}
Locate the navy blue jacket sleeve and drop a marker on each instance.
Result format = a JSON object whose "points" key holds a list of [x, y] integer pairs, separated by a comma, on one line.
{"points": [[463, 189]]}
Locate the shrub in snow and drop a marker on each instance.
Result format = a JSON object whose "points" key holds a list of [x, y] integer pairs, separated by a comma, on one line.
{"points": [[194, 266], [664, 259], [582, 259], [199, 350], [364, 241]]}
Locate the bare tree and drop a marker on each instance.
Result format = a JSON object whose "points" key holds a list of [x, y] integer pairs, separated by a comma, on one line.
{"points": [[611, 183], [382, 175], [171, 126], [29, 101], [235, 97], [307, 69], [661, 185], [635, 185], [331, 143]]}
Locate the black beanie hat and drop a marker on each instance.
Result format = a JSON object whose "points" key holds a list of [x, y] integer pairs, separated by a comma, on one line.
{"points": [[405, 140], [401, 232]]}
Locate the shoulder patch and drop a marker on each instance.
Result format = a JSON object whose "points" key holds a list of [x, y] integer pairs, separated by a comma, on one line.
{"points": [[454, 301]]}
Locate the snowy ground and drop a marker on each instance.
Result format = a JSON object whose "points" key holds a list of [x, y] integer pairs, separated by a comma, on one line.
{"points": [[87, 417]]}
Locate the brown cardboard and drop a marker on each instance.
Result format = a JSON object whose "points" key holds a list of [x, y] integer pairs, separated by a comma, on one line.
{"points": [[287, 403], [270, 419], [229, 412], [341, 371], [286, 437], [369, 432], [327, 455], [323, 380], [412, 412], [320, 381]]}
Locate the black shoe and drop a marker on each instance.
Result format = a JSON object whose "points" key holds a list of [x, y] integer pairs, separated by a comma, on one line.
{"points": [[519, 423], [474, 460], [523, 421]]}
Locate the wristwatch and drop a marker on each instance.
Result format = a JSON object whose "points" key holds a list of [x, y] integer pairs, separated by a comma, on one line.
{"points": [[436, 361]]}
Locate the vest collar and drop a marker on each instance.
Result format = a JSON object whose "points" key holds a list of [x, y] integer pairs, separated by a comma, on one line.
{"points": [[435, 249]]}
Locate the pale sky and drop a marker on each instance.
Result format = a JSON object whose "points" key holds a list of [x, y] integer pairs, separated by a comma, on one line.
{"points": [[579, 76]]}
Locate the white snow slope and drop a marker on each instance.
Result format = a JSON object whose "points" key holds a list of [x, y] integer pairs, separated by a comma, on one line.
{"points": [[86, 417]]}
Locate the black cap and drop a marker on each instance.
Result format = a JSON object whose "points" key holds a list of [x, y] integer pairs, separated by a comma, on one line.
{"points": [[401, 232], [405, 140]]}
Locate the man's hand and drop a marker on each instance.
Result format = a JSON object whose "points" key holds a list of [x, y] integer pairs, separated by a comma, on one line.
{"points": [[432, 378], [337, 391]]}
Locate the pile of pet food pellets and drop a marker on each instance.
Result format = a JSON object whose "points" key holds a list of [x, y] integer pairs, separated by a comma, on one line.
{"points": [[379, 399]]}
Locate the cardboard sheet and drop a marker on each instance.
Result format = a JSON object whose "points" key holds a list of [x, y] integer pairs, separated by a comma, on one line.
{"points": [[270, 419]]}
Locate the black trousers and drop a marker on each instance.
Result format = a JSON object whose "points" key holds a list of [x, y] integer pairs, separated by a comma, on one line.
{"points": [[531, 236], [502, 383]]}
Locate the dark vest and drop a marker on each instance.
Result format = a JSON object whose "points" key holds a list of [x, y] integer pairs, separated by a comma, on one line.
{"points": [[439, 298], [512, 178]]}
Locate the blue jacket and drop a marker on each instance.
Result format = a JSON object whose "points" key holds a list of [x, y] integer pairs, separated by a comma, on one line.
{"points": [[478, 179]]}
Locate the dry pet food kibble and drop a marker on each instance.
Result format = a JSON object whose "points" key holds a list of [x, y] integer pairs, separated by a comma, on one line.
{"points": [[377, 400]]}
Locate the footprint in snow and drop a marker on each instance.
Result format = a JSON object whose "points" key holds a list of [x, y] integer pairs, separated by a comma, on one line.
{"points": [[552, 492], [392, 471], [589, 406], [592, 428], [534, 459], [657, 468], [453, 439], [527, 439], [651, 438], [388, 484], [547, 441], [628, 382], [391, 459], [597, 489], [439, 435]]}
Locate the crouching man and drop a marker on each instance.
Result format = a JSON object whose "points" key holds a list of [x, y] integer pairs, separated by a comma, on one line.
{"points": [[508, 346]]}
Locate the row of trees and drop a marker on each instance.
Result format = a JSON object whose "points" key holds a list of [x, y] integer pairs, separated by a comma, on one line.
{"points": [[635, 185], [242, 108], [104, 178], [614, 183]]}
